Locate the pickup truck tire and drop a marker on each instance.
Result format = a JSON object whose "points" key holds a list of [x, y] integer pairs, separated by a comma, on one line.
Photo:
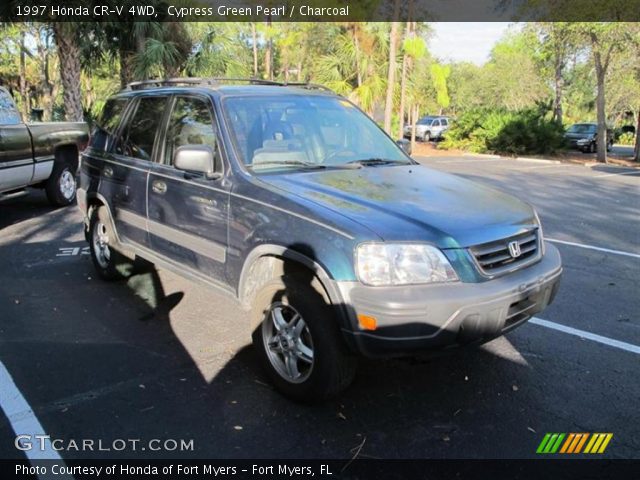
{"points": [[110, 264], [298, 341], [61, 185]]}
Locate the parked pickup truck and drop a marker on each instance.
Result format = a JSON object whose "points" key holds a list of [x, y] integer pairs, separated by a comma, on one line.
{"points": [[295, 203], [42, 155]]}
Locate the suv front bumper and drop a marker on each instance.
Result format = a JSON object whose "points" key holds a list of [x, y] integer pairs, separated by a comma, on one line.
{"points": [[418, 318]]}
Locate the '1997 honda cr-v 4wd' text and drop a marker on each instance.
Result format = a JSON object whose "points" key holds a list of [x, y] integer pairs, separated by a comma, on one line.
{"points": [[300, 206]]}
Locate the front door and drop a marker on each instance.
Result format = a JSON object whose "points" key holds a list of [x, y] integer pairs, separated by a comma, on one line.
{"points": [[124, 179], [16, 157], [188, 212]]}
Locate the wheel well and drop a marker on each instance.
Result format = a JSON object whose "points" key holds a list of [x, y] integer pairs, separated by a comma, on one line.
{"points": [[270, 266], [66, 153]]}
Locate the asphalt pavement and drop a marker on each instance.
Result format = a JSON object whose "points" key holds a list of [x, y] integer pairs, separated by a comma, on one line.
{"points": [[160, 358]]}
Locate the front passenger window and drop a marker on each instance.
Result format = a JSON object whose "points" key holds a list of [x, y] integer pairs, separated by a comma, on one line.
{"points": [[191, 123]]}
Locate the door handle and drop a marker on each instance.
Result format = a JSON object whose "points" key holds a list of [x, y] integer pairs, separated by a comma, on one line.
{"points": [[159, 187], [108, 172]]}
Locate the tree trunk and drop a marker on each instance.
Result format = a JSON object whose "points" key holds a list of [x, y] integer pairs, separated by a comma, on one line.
{"points": [[558, 86], [254, 37], [391, 74], [414, 120], [600, 108], [636, 150], [268, 54], [602, 121], [356, 46], [69, 56], [23, 78]]}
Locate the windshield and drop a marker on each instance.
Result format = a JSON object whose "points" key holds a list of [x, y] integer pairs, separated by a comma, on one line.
{"points": [[300, 132], [582, 128], [425, 121]]}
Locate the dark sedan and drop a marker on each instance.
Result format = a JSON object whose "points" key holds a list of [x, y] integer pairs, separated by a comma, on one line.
{"points": [[584, 136]]}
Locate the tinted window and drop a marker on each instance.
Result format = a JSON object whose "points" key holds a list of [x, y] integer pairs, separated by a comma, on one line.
{"points": [[191, 123], [9, 114], [436, 123], [582, 128], [425, 121], [107, 123], [139, 134], [444, 122]]}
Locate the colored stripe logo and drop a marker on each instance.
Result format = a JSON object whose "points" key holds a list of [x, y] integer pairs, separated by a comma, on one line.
{"points": [[574, 443]]}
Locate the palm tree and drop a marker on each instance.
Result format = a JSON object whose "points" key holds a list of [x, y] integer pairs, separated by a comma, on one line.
{"points": [[66, 36]]}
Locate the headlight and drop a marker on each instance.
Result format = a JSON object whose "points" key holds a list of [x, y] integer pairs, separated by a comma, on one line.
{"points": [[540, 233], [402, 264]]}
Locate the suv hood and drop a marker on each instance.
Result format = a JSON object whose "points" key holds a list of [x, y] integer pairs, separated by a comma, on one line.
{"points": [[412, 203]]}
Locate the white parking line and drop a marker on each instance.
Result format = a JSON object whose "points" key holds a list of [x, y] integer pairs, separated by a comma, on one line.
{"points": [[22, 418], [591, 247], [628, 347]]}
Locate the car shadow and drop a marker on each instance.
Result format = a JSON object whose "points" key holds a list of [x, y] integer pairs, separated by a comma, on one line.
{"points": [[129, 360]]}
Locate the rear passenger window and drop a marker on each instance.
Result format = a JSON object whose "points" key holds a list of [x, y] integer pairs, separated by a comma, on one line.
{"points": [[191, 123], [444, 122], [9, 115], [107, 124], [139, 133]]}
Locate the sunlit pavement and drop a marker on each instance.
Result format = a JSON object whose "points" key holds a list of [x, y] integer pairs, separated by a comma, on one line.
{"points": [[94, 360]]}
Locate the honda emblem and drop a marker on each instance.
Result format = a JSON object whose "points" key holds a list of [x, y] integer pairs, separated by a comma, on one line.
{"points": [[514, 249]]}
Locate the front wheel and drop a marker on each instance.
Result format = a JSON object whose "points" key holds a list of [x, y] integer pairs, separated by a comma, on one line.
{"points": [[61, 185], [299, 342], [426, 137]]}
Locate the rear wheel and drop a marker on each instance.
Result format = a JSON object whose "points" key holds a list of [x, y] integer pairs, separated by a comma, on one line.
{"points": [[299, 342], [61, 185], [110, 264]]}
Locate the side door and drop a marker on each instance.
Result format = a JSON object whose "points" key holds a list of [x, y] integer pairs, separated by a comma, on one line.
{"points": [[188, 212], [125, 175], [16, 156], [445, 126], [436, 128]]}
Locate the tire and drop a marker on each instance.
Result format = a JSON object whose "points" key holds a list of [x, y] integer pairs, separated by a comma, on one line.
{"points": [[61, 185], [109, 263], [592, 147], [312, 343], [426, 137]]}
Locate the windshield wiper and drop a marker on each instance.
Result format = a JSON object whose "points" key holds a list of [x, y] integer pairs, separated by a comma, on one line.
{"points": [[295, 163], [378, 161]]}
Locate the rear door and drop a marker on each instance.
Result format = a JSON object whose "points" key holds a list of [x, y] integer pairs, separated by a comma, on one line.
{"points": [[16, 156], [188, 212], [124, 177]]}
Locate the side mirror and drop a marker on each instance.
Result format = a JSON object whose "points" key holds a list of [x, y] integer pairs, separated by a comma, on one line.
{"points": [[405, 145], [196, 159], [37, 114]]}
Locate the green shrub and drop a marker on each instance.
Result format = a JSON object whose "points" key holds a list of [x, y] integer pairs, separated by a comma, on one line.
{"points": [[507, 132], [626, 138]]}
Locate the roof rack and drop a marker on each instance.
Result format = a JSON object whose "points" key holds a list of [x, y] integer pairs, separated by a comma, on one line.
{"points": [[216, 81]]}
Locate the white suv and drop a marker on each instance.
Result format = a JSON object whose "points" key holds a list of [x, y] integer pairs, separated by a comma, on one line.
{"points": [[429, 128]]}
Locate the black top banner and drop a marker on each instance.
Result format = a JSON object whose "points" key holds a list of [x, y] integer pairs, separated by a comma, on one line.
{"points": [[319, 10]]}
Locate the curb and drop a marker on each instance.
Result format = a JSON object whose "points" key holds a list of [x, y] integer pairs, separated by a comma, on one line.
{"points": [[482, 155], [535, 160]]}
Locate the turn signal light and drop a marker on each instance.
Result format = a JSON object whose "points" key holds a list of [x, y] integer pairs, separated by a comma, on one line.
{"points": [[367, 323]]}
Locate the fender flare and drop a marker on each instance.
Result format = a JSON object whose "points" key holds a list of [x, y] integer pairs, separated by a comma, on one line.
{"points": [[283, 253]]}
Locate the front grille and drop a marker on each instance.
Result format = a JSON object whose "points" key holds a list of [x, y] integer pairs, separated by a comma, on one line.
{"points": [[495, 258]]}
